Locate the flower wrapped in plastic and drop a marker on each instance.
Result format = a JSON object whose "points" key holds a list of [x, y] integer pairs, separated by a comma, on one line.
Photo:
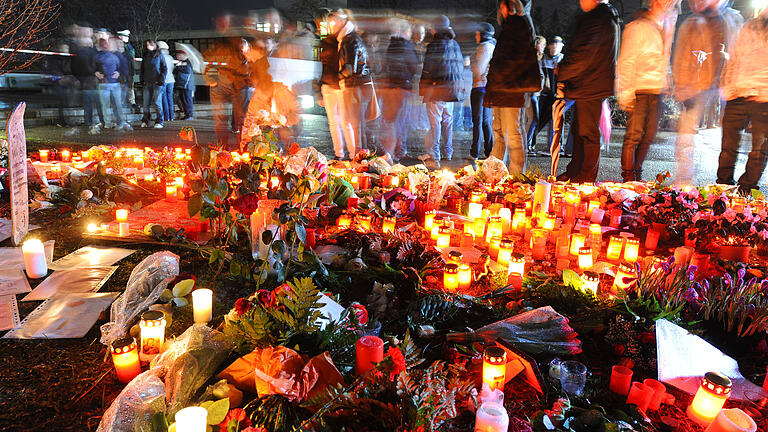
{"points": [[398, 202], [492, 170], [133, 408]]}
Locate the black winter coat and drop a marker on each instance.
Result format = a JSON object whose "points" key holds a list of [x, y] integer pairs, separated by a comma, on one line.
{"points": [[589, 67], [401, 64], [153, 68], [353, 61], [329, 58], [514, 67], [442, 76]]}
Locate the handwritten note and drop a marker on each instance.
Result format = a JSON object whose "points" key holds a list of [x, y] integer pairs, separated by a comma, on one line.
{"points": [[17, 165]]}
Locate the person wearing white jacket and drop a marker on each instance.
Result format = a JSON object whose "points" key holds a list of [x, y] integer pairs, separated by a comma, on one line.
{"points": [[641, 77], [745, 84], [482, 117]]}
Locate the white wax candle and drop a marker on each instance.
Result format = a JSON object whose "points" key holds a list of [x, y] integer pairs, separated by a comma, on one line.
{"points": [[34, 258], [192, 419], [202, 304], [597, 215], [541, 197], [491, 417], [732, 420], [506, 219], [124, 229]]}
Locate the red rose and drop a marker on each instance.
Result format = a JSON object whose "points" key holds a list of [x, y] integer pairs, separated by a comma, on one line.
{"points": [[266, 298], [619, 349], [398, 362], [242, 306], [247, 203], [66, 208], [182, 276], [238, 418], [361, 312]]}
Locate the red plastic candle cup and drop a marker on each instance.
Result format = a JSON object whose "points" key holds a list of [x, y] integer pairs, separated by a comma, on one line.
{"points": [[365, 182], [310, 237], [701, 261], [352, 202], [516, 280], [616, 217], [659, 392], [621, 379], [640, 395], [369, 350], [652, 239]]}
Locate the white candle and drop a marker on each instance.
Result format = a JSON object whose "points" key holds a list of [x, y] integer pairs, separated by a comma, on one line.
{"points": [[34, 258], [491, 417], [202, 304], [541, 197], [597, 215], [124, 229], [192, 419], [732, 420], [506, 219]]}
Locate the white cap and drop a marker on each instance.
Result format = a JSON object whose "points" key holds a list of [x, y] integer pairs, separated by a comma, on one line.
{"points": [[162, 45], [124, 32]]}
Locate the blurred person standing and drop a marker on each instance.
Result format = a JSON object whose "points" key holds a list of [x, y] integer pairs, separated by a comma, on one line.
{"points": [[482, 117], [400, 67], [168, 83], [514, 71], [745, 84], [441, 83], [552, 58], [538, 119], [354, 79], [108, 68], [185, 82], [697, 64], [641, 78], [327, 91], [153, 70], [226, 74], [59, 70], [130, 56], [587, 77], [84, 69], [417, 112]]}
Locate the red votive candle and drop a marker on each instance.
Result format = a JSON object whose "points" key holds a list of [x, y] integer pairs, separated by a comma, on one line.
{"points": [[365, 182], [516, 280], [353, 202], [701, 261], [652, 239], [369, 350], [640, 395], [621, 379], [659, 392], [616, 217]]}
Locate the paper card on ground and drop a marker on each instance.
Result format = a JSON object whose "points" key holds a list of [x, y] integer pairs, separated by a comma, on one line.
{"points": [[683, 359], [76, 280], [13, 281], [63, 316], [91, 256], [9, 312], [5, 228], [11, 257], [330, 310]]}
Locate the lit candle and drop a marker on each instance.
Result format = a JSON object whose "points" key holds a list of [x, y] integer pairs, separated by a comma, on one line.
{"points": [[732, 420], [429, 216], [591, 281], [395, 181], [479, 226], [631, 250], [506, 219], [92, 228], [506, 246], [571, 202], [585, 258], [539, 244], [593, 204], [710, 398], [66, 156], [494, 367], [621, 379], [369, 350], [494, 247], [597, 215], [640, 395], [202, 304], [615, 246], [451, 277], [659, 390], [170, 192], [192, 419], [152, 327], [541, 192], [178, 181], [274, 182], [517, 263], [577, 242], [444, 237], [548, 222], [437, 222], [388, 226], [34, 258], [125, 357], [476, 196], [149, 177], [616, 217], [364, 221], [624, 278], [43, 155], [465, 276], [344, 221], [455, 257], [494, 228], [474, 210], [652, 239], [491, 417]]}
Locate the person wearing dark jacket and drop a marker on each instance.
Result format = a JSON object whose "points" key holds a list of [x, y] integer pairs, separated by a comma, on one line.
{"points": [[84, 69], [228, 79], [108, 74], [400, 67], [441, 83], [59, 69], [354, 79], [327, 91], [130, 55], [153, 70], [482, 117], [514, 70], [587, 77], [185, 82]]}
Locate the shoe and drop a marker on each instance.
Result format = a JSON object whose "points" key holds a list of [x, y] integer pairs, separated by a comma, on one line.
{"points": [[158, 126], [338, 158], [188, 118], [563, 177], [125, 127], [424, 157], [144, 124], [94, 130]]}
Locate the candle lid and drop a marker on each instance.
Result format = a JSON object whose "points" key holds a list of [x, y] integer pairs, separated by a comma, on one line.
{"points": [[123, 345], [150, 316], [495, 355], [716, 383], [591, 276], [585, 250], [451, 268], [517, 257], [455, 256]]}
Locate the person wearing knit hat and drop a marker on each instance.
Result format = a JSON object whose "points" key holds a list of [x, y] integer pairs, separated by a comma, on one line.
{"points": [[482, 117]]}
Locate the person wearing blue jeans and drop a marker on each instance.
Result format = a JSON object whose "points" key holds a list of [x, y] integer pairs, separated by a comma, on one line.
{"points": [[185, 80], [153, 69], [482, 117], [169, 81], [108, 72]]}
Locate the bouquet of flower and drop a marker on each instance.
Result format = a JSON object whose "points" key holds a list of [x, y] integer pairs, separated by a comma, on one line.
{"points": [[724, 225], [672, 207], [165, 164]]}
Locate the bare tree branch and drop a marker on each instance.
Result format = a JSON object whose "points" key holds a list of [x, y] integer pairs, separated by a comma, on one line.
{"points": [[24, 24]]}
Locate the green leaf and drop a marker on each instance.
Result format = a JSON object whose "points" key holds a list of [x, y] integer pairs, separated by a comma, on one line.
{"points": [[266, 236], [217, 411], [209, 198], [572, 278], [222, 189], [756, 194], [158, 422], [278, 246], [195, 204], [301, 233]]}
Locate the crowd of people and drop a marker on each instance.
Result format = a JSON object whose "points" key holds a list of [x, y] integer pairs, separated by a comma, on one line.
{"points": [[376, 91]]}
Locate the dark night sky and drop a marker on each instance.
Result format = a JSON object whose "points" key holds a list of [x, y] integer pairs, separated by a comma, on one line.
{"points": [[198, 13]]}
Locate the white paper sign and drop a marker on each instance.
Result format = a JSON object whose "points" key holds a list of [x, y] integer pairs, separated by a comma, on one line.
{"points": [[17, 166], [13, 281], [9, 312]]}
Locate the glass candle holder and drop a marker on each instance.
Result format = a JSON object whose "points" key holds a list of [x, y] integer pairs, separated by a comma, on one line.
{"points": [[577, 242], [344, 221], [631, 250], [585, 258], [437, 222], [43, 155], [388, 225], [125, 357], [474, 210], [506, 247], [491, 417], [494, 367], [152, 327], [624, 277], [494, 228], [364, 221], [517, 264], [192, 419], [573, 377], [444, 237], [615, 246], [451, 277], [710, 398], [455, 257], [465, 276], [591, 280]]}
